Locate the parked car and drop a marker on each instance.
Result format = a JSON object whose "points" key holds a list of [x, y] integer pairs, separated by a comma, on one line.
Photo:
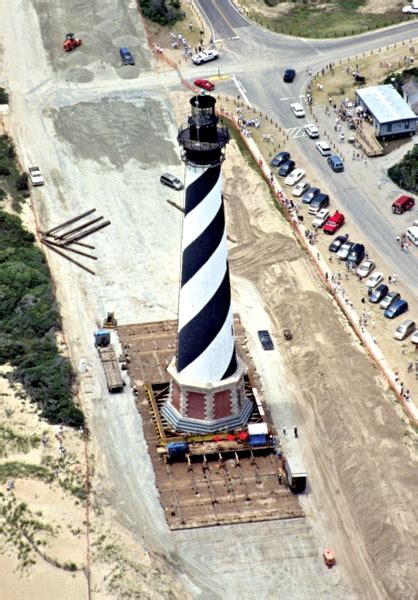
{"points": [[323, 148], [365, 268], [396, 308], [389, 299], [36, 176], [402, 204], [344, 250], [300, 188], [378, 293], [410, 9], [297, 109], [405, 328], [126, 56], [295, 176], [310, 195], [205, 84], [280, 158], [336, 244], [312, 130], [334, 223], [265, 339], [171, 181], [335, 163], [356, 255], [205, 56], [414, 338], [375, 279], [320, 201], [286, 168], [320, 218], [289, 75]]}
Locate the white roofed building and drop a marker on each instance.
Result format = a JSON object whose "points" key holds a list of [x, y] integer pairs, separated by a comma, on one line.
{"points": [[392, 116]]}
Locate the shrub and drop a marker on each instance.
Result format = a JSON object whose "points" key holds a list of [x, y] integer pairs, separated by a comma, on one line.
{"points": [[4, 169], [404, 172], [28, 317], [4, 96], [22, 182]]}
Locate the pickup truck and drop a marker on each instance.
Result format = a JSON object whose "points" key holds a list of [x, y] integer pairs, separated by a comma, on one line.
{"points": [[320, 218], [36, 176], [334, 223], [205, 56]]}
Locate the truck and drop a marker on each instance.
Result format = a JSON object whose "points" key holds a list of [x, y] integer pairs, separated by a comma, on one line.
{"points": [[110, 364], [334, 223], [109, 361], [296, 474]]}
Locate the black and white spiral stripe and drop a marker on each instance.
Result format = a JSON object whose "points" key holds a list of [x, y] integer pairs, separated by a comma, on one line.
{"points": [[206, 350]]}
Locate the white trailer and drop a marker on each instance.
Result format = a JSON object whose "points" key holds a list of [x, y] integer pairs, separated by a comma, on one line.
{"points": [[296, 474]]}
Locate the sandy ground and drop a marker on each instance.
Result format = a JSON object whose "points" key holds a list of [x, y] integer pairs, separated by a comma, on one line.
{"points": [[103, 144]]}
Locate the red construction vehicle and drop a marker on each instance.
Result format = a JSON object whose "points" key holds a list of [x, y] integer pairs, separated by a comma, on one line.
{"points": [[71, 42]]}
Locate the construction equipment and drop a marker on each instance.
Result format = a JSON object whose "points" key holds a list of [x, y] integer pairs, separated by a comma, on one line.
{"points": [[329, 557], [110, 321], [287, 334], [101, 338], [71, 42]]}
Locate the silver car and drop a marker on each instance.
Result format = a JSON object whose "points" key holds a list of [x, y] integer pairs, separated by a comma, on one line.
{"points": [[172, 181], [344, 251], [365, 268], [389, 299]]}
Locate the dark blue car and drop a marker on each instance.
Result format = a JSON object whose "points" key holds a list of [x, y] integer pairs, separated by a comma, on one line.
{"points": [[126, 56], [289, 75], [396, 308]]}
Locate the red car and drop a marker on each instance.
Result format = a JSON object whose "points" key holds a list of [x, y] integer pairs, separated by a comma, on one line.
{"points": [[334, 223], [205, 84]]}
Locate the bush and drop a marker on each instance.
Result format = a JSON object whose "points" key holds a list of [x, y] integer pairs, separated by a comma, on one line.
{"points": [[28, 317], [22, 182], [162, 11], [404, 173], [4, 169], [4, 96]]}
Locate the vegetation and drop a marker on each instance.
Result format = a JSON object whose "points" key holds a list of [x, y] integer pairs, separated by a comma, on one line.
{"points": [[21, 530], [28, 318], [399, 79], [333, 18], [4, 96], [12, 441], [12, 181], [405, 172], [164, 12]]}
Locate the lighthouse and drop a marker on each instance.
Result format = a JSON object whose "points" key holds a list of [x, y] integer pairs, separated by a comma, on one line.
{"points": [[207, 391]]}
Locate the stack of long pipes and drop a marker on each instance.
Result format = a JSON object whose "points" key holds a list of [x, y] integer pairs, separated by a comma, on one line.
{"points": [[61, 240]]}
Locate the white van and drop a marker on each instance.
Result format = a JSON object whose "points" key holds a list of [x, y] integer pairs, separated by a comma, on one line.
{"points": [[412, 234]]}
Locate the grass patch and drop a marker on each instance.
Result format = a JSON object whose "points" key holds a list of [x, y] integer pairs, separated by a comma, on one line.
{"points": [[332, 19], [16, 470], [12, 441]]}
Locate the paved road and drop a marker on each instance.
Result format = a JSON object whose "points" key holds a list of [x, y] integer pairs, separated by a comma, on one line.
{"points": [[258, 58]]}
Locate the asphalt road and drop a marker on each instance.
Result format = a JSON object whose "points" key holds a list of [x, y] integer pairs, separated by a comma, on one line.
{"points": [[258, 57]]}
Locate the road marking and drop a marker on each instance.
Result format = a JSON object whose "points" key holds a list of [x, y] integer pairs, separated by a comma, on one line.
{"points": [[242, 91], [296, 132], [220, 40], [290, 98]]}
